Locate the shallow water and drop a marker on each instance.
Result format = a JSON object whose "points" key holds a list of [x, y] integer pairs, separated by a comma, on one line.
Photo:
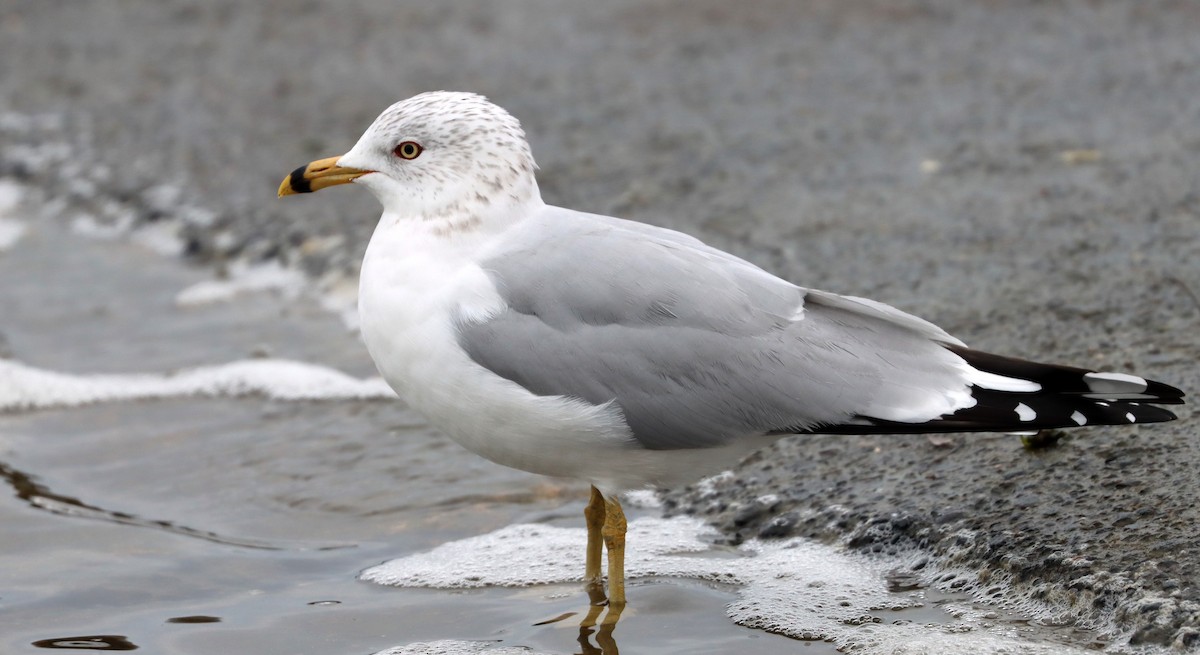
{"points": [[240, 525]]}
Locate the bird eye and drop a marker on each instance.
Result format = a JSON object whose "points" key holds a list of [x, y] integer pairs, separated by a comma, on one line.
{"points": [[408, 150]]}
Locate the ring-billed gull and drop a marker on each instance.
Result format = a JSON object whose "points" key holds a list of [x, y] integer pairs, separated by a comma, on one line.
{"points": [[591, 347]]}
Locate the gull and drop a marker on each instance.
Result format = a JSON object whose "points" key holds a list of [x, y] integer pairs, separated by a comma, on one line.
{"points": [[584, 346]]}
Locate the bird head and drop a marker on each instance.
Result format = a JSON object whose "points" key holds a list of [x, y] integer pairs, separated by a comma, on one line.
{"points": [[438, 153]]}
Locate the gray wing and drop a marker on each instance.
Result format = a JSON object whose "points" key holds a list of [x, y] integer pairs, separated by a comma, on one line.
{"points": [[696, 346]]}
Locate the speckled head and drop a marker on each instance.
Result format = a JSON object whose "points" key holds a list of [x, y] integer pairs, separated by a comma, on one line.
{"points": [[435, 155]]}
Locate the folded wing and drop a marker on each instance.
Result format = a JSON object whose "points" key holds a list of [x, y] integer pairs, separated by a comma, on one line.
{"points": [[697, 347]]}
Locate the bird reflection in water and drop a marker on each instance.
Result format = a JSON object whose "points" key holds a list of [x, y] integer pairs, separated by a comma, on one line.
{"points": [[596, 622]]}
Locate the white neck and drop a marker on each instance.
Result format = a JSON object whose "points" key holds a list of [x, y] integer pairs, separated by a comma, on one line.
{"points": [[468, 215]]}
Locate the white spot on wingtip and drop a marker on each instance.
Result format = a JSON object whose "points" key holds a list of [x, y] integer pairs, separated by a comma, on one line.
{"points": [[1101, 382], [1079, 418], [1025, 412], [985, 380], [1131, 417]]}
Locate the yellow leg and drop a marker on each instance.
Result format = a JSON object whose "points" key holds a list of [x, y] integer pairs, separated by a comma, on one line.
{"points": [[594, 514], [614, 541]]}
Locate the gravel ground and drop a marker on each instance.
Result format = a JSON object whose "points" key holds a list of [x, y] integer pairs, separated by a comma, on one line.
{"points": [[1022, 173]]}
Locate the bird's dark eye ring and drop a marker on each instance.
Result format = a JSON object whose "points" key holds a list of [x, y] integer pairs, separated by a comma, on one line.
{"points": [[408, 150]]}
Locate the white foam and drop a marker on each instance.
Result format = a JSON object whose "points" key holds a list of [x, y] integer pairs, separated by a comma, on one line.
{"points": [[921, 641], [163, 198], [86, 225], [767, 499], [24, 387], [646, 498], [11, 229], [17, 122], [794, 587], [547, 554], [451, 647], [11, 194], [39, 158], [269, 276], [160, 237], [916, 640], [708, 486], [338, 295]]}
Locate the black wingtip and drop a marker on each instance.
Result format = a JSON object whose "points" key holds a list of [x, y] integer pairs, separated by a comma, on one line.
{"points": [[1151, 414], [1164, 394], [1063, 397]]}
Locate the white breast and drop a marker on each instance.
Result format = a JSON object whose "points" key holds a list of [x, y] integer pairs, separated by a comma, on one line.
{"points": [[414, 283]]}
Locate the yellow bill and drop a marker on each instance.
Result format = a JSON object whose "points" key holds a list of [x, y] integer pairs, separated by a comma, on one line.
{"points": [[318, 175]]}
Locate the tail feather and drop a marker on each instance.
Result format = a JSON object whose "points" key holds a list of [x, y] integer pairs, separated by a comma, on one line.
{"points": [[1060, 397]]}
